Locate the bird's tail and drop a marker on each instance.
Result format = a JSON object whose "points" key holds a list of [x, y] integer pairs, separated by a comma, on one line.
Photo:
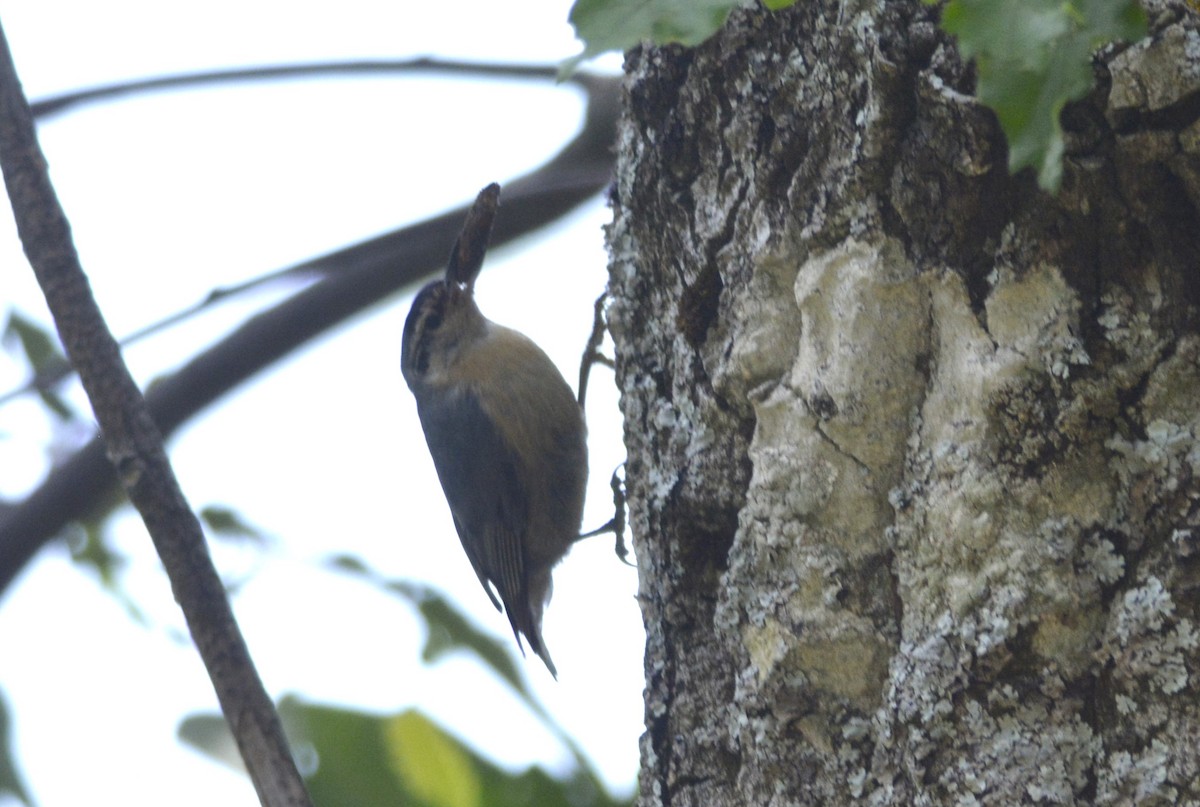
{"points": [[525, 616]]}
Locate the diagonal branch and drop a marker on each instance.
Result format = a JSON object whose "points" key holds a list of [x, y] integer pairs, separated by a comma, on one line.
{"points": [[355, 278], [135, 447]]}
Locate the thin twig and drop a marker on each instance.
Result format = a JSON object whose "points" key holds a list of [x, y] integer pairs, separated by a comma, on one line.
{"points": [[135, 448]]}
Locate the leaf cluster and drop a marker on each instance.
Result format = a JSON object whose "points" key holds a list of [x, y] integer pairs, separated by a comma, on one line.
{"points": [[350, 758], [1032, 56]]}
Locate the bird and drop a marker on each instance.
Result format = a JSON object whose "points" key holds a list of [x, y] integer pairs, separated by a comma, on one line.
{"points": [[506, 434]]}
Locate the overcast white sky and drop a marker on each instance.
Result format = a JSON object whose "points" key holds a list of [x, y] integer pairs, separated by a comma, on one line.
{"points": [[172, 195]]}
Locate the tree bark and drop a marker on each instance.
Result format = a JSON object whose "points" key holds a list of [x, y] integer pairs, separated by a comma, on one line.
{"points": [[913, 456]]}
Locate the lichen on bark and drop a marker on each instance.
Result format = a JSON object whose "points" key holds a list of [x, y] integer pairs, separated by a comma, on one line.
{"points": [[913, 446]]}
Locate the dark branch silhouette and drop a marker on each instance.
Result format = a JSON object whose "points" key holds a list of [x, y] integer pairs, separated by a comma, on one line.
{"points": [[61, 103], [353, 279], [135, 448]]}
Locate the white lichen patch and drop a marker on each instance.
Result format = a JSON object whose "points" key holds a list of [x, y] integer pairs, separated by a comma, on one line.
{"points": [[862, 334], [999, 531], [817, 461], [818, 493], [1136, 779], [1126, 326], [768, 338], [795, 476], [1102, 560], [1036, 317], [1165, 452], [1147, 644]]}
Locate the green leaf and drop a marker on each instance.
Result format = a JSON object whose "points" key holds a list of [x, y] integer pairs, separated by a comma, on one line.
{"points": [[606, 25], [436, 768], [349, 564], [57, 405], [10, 780], [352, 764], [449, 630], [1033, 56], [228, 523], [88, 547], [39, 347], [210, 734], [356, 759], [42, 353]]}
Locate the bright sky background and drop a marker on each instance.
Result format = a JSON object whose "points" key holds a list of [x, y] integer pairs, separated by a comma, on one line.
{"points": [[171, 195]]}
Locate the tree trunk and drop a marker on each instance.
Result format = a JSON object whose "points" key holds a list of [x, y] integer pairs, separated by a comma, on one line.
{"points": [[912, 445]]}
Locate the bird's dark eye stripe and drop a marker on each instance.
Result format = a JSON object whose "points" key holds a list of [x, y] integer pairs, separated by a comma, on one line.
{"points": [[430, 322], [425, 318]]}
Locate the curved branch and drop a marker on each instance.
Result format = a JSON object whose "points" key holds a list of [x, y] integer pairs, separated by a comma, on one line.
{"points": [[61, 103], [357, 277]]}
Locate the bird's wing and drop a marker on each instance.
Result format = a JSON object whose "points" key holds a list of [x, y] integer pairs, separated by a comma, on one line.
{"points": [[478, 472]]}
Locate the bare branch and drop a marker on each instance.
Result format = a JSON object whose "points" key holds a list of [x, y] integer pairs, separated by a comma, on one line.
{"points": [[136, 450], [61, 103]]}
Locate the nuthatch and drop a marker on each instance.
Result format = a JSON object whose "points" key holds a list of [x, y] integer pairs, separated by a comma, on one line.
{"points": [[506, 434]]}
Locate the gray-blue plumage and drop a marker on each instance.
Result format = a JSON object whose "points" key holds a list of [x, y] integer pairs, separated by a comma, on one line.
{"points": [[508, 441]]}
